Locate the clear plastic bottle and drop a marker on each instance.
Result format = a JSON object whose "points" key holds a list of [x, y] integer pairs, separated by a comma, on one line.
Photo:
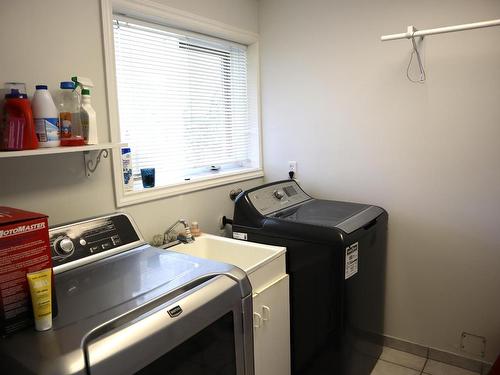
{"points": [[46, 118], [69, 116]]}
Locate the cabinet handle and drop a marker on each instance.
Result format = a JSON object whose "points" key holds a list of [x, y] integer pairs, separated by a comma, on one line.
{"points": [[266, 313], [257, 320]]}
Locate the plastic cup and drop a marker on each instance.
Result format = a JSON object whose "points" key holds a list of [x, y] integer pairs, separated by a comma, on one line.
{"points": [[148, 177]]}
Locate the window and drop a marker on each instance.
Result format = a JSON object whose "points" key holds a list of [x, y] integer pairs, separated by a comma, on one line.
{"points": [[183, 104]]}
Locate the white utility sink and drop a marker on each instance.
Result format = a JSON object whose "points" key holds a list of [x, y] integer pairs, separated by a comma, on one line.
{"points": [[259, 261]]}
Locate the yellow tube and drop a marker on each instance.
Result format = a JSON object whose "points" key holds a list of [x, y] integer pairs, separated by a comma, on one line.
{"points": [[41, 298]]}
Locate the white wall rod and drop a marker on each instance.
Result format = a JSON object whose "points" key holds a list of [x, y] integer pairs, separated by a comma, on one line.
{"points": [[441, 30]]}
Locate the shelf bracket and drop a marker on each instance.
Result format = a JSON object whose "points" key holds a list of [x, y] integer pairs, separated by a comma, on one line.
{"points": [[92, 164]]}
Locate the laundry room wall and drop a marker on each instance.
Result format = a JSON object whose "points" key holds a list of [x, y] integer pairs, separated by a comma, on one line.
{"points": [[48, 42], [336, 99]]}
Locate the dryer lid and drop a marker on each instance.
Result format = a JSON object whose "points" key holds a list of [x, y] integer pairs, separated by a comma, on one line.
{"points": [[123, 282]]}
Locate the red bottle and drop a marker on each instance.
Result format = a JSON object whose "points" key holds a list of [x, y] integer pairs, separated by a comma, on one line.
{"points": [[18, 122]]}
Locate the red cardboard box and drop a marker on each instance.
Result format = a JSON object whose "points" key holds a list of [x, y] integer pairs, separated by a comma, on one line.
{"points": [[24, 248]]}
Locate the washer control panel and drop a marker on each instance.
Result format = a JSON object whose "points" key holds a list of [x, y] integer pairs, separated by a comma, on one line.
{"points": [[90, 237], [275, 197]]}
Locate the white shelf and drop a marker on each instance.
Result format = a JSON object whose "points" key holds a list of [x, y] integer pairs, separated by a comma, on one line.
{"points": [[91, 153], [60, 150]]}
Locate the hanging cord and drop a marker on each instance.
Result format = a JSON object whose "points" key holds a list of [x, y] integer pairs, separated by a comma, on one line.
{"points": [[419, 59]]}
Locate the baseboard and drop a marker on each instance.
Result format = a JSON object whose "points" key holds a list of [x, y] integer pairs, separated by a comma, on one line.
{"points": [[406, 346], [437, 355]]}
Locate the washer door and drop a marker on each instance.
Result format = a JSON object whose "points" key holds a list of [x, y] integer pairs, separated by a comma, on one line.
{"points": [[199, 332]]}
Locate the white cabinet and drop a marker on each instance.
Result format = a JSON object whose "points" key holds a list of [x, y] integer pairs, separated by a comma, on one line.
{"points": [[266, 270], [271, 319]]}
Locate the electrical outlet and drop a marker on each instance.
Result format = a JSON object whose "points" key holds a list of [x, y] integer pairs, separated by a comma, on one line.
{"points": [[292, 166]]}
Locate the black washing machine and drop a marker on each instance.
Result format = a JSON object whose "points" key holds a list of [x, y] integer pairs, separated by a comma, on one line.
{"points": [[336, 255]]}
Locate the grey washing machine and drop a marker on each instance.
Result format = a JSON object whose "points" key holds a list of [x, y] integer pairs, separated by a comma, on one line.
{"points": [[128, 308], [336, 255]]}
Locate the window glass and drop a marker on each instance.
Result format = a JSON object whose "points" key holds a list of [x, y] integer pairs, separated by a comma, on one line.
{"points": [[183, 103]]}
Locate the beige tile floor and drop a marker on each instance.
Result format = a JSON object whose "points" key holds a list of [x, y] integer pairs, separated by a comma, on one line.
{"points": [[395, 362]]}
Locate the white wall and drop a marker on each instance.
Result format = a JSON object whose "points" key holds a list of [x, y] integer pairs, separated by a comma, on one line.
{"points": [[337, 100], [48, 42]]}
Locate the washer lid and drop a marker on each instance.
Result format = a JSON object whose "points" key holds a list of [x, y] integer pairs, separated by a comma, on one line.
{"points": [[343, 215]]}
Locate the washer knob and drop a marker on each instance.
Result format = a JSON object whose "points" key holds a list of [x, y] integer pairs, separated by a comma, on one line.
{"points": [[278, 194], [65, 246]]}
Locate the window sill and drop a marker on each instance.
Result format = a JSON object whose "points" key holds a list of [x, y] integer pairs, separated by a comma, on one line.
{"points": [[135, 197]]}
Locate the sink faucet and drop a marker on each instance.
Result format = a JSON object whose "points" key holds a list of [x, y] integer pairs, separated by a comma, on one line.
{"points": [[186, 238]]}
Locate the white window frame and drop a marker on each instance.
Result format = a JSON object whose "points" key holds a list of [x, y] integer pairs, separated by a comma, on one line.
{"points": [[158, 13]]}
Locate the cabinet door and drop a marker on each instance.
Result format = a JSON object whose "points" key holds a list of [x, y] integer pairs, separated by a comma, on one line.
{"points": [[272, 329]]}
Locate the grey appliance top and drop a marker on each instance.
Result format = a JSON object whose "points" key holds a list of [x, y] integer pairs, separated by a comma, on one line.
{"points": [[126, 281], [285, 200], [343, 215], [105, 294]]}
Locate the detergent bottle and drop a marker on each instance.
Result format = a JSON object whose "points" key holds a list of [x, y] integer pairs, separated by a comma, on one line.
{"points": [[19, 127]]}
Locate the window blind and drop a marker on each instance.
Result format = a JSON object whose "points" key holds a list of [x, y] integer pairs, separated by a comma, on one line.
{"points": [[182, 99]]}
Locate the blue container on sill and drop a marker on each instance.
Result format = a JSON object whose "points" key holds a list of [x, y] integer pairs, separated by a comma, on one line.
{"points": [[148, 177]]}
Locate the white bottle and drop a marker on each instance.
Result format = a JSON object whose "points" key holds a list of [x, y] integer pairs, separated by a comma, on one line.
{"points": [[88, 119], [128, 179], [46, 118]]}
